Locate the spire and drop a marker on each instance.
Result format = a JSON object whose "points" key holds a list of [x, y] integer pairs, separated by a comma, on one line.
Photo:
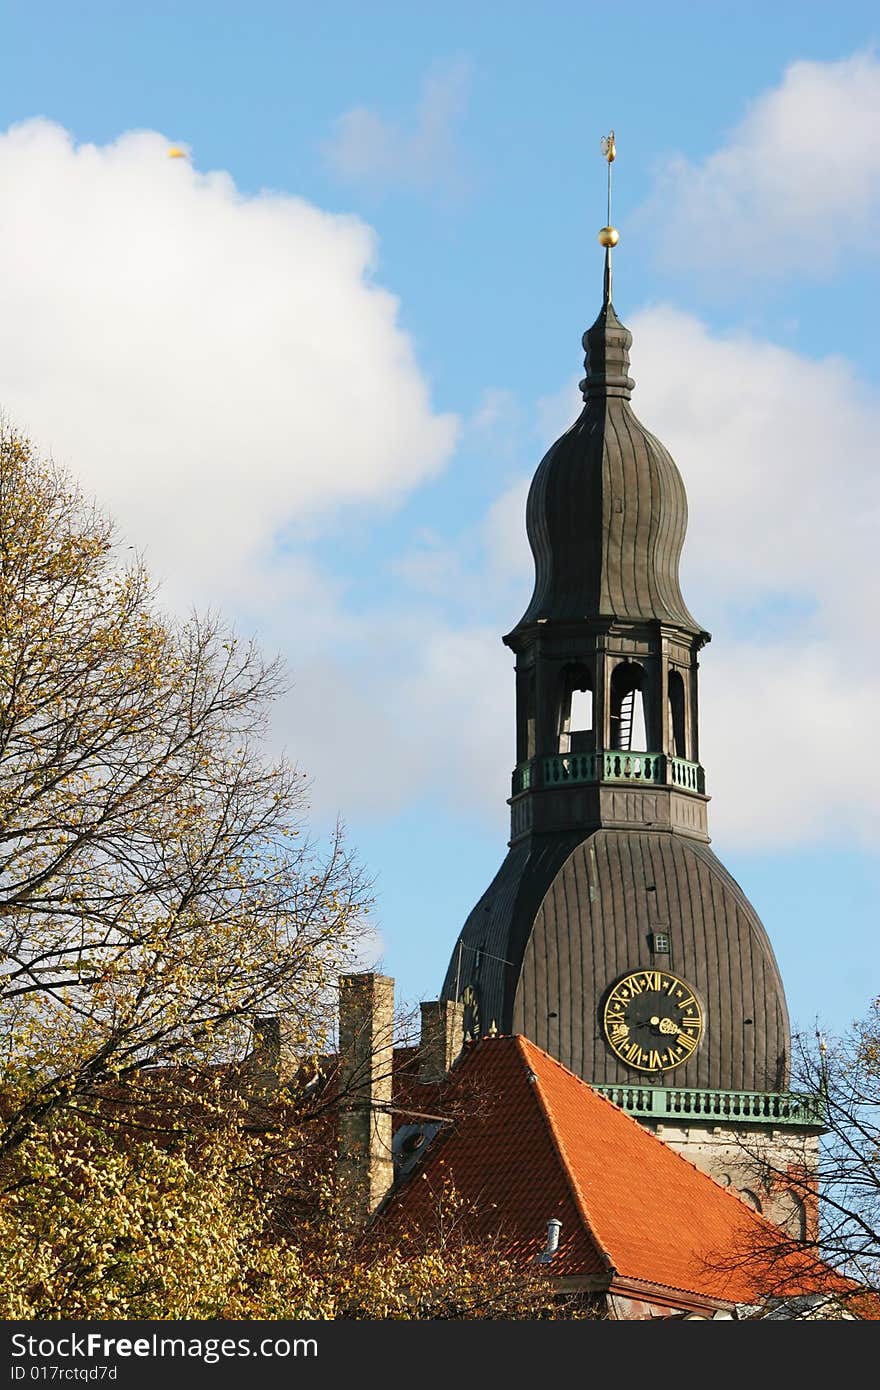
{"points": [[607, 512], [608, 342], [608, 236]]}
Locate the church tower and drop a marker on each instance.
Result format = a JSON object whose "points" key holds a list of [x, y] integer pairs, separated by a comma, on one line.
{"points": [[612, 936]]}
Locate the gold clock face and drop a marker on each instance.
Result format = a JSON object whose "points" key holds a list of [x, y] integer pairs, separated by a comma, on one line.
{"points": [[652, 1020], [471, 1011]]}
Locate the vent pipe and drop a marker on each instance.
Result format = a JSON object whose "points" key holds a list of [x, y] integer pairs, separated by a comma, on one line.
{"points": [[554, 1226]]}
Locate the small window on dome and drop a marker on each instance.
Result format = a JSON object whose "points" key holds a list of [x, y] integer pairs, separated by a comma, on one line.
{"points": [[660, 943]]}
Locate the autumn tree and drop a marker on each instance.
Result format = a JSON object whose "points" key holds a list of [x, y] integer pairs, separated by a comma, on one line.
{"points": [[158, 885], [159, 893], [837, 1255], [197, 1229]]}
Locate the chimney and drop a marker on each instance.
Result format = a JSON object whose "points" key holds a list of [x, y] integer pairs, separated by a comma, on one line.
{"points": [[271, 1060], [366, 1048], [441, 1038]]}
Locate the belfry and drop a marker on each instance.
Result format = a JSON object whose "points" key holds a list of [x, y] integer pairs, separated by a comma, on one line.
{"points": [[612, 936]]}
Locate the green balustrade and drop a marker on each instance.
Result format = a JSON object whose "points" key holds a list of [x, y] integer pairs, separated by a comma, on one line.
{"points": [[780, 1109], [522, 777], [632, 767], [571, 767], [690, 776], [613, 765]]}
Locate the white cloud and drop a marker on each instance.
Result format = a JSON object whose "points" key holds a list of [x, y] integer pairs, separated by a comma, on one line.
{"points": [[795, 188], [431, 565], [507, 550], [456, 702], [399, 701], [497, 409], [557, 412], [787, 743], [217, 368], [339, 721], [778, 456], [422, 154]]}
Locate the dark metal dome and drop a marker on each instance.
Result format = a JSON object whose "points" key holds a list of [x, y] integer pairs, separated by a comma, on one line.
{"points": [[558, 926], [607, 510]]}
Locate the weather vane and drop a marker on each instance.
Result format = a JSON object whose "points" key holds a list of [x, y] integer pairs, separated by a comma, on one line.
{"points": [[609, 236]]}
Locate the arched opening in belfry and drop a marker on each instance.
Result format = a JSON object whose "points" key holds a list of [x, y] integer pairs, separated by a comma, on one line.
{"points": [[576, 710], [628, 707], [530, 716], [525, 710], [677, 737]]}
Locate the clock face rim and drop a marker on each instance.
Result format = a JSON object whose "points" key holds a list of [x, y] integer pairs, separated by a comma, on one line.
{"points": [[695, 1021]]}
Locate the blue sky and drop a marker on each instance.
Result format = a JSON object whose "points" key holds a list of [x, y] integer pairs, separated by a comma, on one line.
{"points": [[312, 367]]}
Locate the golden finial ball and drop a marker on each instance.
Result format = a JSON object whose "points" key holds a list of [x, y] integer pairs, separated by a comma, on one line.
{"points": [[609, 236]]}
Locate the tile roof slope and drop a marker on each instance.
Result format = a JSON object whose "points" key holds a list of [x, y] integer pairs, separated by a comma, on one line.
{"points": [[545, 1144], [658, 1217], [501, 1156]]}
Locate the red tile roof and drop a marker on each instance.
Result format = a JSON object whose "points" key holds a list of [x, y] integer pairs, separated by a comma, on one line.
{"points": [[537, 1142]]}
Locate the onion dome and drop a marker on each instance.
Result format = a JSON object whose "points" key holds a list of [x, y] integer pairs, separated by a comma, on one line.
{"points": [[607, 510]]}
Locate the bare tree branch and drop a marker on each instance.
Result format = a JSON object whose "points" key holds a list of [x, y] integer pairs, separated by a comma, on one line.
{"points": [[158, 883]]}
